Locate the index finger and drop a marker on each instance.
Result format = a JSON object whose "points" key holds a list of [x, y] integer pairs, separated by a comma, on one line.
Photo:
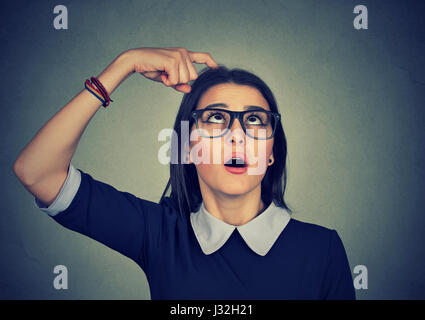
{"points": [[203, 57]]}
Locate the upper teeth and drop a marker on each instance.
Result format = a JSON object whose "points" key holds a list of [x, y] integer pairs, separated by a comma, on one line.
{"points": [[239, 160]]}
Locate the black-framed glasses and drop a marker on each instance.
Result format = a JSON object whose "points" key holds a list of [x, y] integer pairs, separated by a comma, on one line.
{"points": [[258, 124]]}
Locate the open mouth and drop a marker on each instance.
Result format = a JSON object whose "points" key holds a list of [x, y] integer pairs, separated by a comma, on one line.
{"points": [[235, 163]]}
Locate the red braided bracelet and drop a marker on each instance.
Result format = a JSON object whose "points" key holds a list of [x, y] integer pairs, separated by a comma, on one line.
{"points": [[92, 87], [101, 89], [98, 88]]}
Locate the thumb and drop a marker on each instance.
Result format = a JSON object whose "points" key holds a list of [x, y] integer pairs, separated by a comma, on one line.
{"points": [[185, 88], [164, 78]]}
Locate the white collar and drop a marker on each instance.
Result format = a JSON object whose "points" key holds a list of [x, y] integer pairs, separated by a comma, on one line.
{"points": [[260, 233]]}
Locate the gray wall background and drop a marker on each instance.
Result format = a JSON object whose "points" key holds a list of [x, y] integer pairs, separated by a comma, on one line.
{"points": [[353, 111]]}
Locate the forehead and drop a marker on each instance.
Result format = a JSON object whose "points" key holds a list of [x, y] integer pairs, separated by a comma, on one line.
{"points": [[234, 95]]}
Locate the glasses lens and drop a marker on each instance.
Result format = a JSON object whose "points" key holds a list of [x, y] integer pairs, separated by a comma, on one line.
{"points": [[258, 124], [215, 122]]}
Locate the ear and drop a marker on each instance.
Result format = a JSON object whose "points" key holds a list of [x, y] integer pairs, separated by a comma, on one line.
{"points": [[271, 160]]}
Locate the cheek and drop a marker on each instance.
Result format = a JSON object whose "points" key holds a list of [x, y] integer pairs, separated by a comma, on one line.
{"points": [[201, 151], [260, 151], [269, 149], [205, 150]]}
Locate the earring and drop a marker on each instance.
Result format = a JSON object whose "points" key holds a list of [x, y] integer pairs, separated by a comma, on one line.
{"points": [[270, 160]]}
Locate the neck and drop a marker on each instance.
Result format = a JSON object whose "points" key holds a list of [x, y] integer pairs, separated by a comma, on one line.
{"points": [[233, 209]]}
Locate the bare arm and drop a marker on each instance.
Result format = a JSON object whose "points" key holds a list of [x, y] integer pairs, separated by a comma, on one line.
{"points": [[42, 166], [45, 160]]}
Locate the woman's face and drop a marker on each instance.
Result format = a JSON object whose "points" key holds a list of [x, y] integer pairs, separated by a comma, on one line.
{"points": [[212, 153]]}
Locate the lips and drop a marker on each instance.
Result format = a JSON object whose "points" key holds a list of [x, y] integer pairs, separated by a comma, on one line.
{"points": [[236, 170]]}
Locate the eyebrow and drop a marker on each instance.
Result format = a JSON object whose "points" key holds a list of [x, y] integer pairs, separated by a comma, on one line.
{"points": [[248, 107]]}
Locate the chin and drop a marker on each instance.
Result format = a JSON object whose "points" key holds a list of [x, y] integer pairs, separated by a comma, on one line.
{"points": [[234, 190]]}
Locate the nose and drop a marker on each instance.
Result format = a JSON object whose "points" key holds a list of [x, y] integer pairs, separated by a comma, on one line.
{"points": [[236, 134]]}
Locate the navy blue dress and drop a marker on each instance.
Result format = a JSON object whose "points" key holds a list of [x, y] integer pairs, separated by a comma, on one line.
{"points": [[307, 261]]}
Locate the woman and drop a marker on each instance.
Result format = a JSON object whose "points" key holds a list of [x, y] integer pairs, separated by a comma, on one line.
{"points": [[187, 244]]}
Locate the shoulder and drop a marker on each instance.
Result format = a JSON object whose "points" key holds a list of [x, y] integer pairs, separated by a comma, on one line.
{"points": [[169, 203], [310, 235], [169, 211], [310, 229]]}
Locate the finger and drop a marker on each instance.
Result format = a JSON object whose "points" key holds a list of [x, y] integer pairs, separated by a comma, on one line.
{"points": [[183, 70], [193, 75], [203, 57], [172, 69]]}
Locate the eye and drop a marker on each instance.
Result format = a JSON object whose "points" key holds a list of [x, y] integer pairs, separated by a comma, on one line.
{"points": [[254, 120], [215, 117]]}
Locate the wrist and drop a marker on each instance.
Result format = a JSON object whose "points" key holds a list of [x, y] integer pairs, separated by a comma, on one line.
{"points": [[117, 71], [126, 60]]}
